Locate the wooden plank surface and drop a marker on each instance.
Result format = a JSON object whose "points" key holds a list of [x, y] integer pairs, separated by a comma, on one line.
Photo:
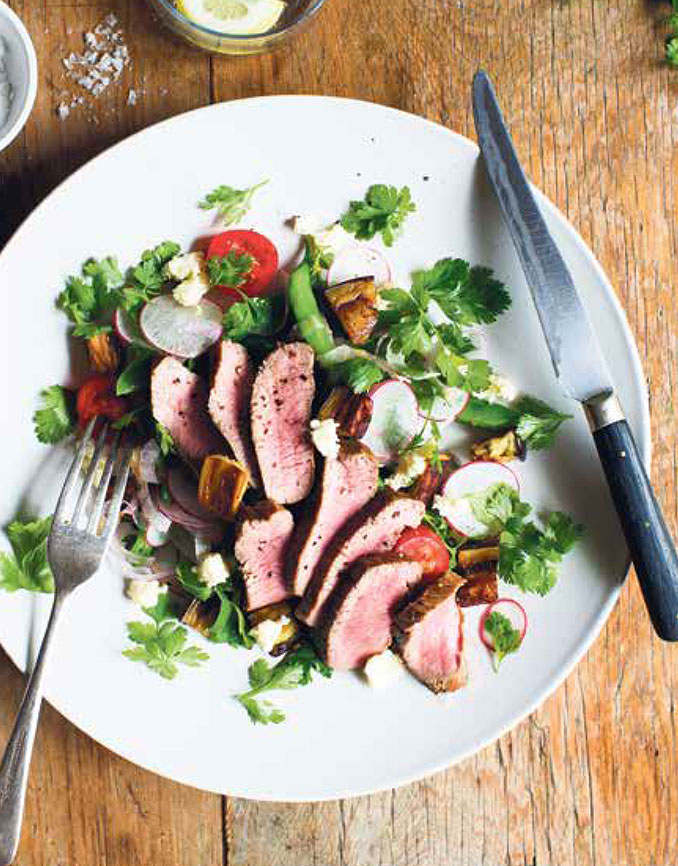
{"points": [[590, 778]]}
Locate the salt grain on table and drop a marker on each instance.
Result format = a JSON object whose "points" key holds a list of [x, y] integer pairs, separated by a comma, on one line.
{"points": [[103, 60]]}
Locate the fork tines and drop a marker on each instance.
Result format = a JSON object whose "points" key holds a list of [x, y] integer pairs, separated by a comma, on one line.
{"points": [[90, 493]]}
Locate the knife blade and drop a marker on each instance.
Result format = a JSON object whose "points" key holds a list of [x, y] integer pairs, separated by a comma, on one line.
{"points": [[579, 364]]}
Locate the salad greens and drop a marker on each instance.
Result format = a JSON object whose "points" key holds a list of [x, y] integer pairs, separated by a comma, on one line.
{"points": [[161, 644], [53, 420], [230, 270], [383, 211], [231, 204], [249, 317], [506, 638], [534, 421], [671, 41], [145, 281], [90, 299], [295, 669], [26, 567], [528, 555]]}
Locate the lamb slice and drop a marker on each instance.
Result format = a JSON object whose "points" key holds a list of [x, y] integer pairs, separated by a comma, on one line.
{"points": [[179, 403], [346, 485], [229, 403], [358, 618], [281, 412], [375, 529], [430, 637], [260, 543]]}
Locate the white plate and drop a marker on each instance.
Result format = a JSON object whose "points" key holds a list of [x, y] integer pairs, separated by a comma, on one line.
{"points": [[341, 737]]}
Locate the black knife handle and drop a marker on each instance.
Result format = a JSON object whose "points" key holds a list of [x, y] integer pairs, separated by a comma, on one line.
{"points": [[652, 550]]}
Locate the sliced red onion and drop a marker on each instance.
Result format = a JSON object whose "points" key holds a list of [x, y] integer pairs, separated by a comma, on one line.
{"points": [[177, 514], [183, 488], [149, 463], [155, 519]]}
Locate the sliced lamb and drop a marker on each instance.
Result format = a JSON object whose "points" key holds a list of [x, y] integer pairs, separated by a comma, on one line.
{"points": [[229, 403], [375, 529], [261, 540], [281, 412], [345, 486], [358, 618], [179, 403], [430, 637]]}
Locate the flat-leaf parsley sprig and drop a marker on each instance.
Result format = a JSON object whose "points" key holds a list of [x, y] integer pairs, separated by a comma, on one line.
{"points": [[383, 211], [161, 644], [231, 204], [294, 670]]}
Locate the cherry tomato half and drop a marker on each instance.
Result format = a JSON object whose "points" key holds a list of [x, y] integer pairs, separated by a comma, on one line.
{"points": [[425, 547], [263, 252], [96, 396]]}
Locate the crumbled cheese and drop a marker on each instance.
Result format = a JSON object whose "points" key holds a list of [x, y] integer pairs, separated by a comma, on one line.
{"points": [[499, 389], [103, 60], [324, 436], [332, 239], [411, 465], [190, 269], [5, 86], [383, 669], [212, 570], [145, 593], [267, 632]]}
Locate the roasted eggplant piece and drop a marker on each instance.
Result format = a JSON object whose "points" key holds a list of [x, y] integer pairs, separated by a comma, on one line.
{"points": [[222, 485], [430, 481], [352, 412], [201, 615], [103, 356], [355, 305], [478, 564], [501, 449]]}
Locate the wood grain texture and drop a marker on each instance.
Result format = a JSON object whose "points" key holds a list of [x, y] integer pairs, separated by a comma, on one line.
{"points": [[590, 778]]}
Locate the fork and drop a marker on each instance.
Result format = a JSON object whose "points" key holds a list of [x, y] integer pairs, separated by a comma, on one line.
{"points": [[80, 535]]}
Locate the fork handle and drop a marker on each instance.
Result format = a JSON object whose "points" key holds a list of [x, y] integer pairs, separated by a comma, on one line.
{"points": [[17, 758]]}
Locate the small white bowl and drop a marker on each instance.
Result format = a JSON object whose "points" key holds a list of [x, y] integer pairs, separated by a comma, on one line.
{"points": [[22, 66]]}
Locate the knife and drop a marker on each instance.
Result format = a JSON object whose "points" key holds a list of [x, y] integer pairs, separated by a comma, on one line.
{"points": [[580, 366]]}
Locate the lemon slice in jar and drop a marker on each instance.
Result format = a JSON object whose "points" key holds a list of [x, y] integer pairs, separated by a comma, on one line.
{"points": [[237, 17]]}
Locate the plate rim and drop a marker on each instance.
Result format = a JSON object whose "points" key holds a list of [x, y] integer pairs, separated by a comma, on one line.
{"points": [[644, 435]]}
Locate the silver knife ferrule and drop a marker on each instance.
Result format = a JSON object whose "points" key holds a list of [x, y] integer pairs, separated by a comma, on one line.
{"points": [[602, 410]]}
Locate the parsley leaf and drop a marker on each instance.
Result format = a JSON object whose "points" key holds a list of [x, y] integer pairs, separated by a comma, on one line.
{"points": [[671, 41], [467, 295], [505, 638], [27, 567], [230, 270], [187, 575], [145, 280], [165, 440], [231, 204], [230, 625], [295, 669], [534, 421], [251, 316], [383, 211], [360, 374], [90, 299], [528, 555], [441, 527], [53, 420], [538, 423], [161, 644]]}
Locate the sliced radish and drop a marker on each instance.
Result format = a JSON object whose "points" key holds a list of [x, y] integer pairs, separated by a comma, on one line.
{"points": [[359, 261], [183, 488], [185, 332], [512, 610], [449, 407], [127, 329], [470, 479], [395, 419]]}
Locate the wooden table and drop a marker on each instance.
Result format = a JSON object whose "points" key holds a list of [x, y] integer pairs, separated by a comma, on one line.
{"points": [[590, 778]]}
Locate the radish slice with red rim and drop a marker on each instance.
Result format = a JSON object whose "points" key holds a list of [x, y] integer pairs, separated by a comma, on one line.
{"points": [[184, 332], [512, 610], [127, 329], [470, 479], [448, 408], [395, 419], [358, 261]]}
